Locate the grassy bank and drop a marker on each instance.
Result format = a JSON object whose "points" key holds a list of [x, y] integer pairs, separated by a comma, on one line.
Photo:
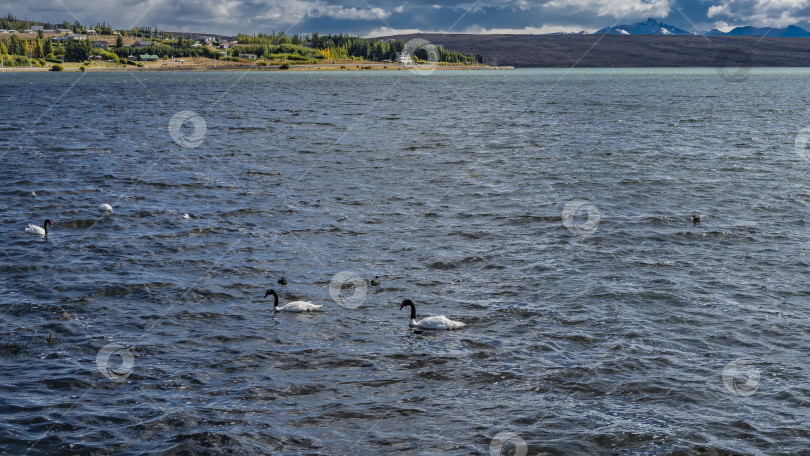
{"points": [[205, 64]]}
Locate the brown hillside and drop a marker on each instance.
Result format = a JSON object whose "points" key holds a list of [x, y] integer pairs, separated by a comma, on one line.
{"points": [[626, 51]]}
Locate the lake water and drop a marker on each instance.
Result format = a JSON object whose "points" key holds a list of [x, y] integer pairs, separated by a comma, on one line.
{"points": [[549, 210]]}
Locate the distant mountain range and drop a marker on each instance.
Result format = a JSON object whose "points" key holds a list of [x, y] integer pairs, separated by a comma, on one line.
{"points": [[654, 27]]}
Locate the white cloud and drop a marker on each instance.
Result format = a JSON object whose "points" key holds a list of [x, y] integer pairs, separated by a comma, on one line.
{"points": [[617, 9], [292, 10], [529, 30], [762, 13], [388, 31]]}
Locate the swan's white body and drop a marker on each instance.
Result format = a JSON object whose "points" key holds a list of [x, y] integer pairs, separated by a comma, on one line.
{"points": [[186, 216], [33, 229], [437, 322], [105, 208], [295, 306], [298, 306]]}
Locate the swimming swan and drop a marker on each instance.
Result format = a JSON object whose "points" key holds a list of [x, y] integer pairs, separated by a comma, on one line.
{"points": [[295, 306], [42, 231], [438, 322]]}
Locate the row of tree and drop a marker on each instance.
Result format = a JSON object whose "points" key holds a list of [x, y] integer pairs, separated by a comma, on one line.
{"points": [[36, 48], [272, 39], [278, 51], [12, 23], [43, 48], [348, 47], [164, 50]]}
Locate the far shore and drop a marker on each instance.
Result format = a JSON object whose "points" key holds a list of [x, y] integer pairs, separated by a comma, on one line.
{"points": [[210, 66]]}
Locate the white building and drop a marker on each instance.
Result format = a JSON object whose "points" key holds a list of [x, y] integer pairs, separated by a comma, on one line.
{"points": [[404, 58]]}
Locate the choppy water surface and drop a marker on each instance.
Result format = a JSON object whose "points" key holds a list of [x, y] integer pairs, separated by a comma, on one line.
{"points": [[636, 331]]}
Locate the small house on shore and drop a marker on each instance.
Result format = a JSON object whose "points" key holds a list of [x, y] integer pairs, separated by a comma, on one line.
{"points": [[64, 39], [404, 58], [148, 58], [100, 45], [142, 44]]}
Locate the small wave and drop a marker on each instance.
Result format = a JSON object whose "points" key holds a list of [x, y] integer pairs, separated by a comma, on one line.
{"points": [[124, 290]]}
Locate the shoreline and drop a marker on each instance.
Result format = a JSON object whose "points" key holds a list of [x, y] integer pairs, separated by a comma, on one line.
{"points": [[307, 67]]}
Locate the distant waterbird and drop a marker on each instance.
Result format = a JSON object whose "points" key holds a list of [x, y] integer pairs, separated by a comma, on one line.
{"points": [[282, 281], [375, 282], [105, 208]]}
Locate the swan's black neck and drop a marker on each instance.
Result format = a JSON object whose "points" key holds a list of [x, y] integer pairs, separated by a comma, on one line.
{"points": [[413, 310], [275, 297]]}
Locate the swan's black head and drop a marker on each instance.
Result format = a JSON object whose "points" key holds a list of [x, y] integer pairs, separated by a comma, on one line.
{"points": [[409, 303], [47, 222], [270, 292]]}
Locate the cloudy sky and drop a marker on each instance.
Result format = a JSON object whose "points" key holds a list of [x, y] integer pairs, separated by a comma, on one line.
{"points": [[380, 17]]}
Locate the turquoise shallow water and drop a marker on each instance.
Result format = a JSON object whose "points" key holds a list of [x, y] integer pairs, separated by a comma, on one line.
{"points": [[549, 210]]}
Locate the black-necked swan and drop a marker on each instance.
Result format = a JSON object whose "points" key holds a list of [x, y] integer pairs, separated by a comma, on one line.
{"points": [[282, 281], [42, 231], [375, 282], [105, 208], [438, 322], [295, 306]]}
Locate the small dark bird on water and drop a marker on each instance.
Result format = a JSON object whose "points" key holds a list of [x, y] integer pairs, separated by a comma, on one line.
{"points": [[282, 281], [697, 218], [375, 282]]}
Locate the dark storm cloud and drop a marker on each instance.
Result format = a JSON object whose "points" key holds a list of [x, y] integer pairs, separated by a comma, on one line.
{"points": [[362, 17]]}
